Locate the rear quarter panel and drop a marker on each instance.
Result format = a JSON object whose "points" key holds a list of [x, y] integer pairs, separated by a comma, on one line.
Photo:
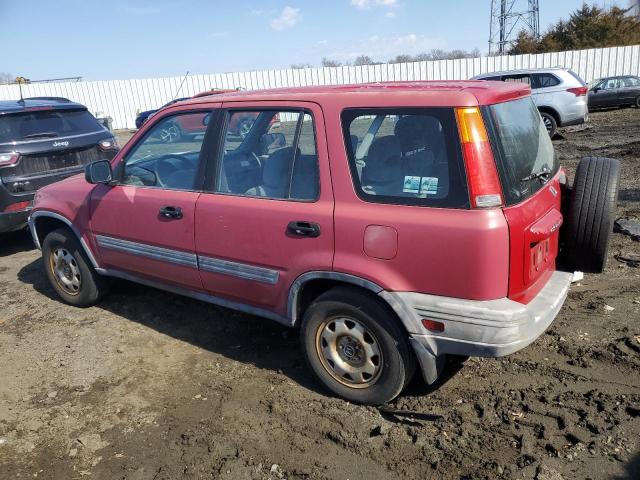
{"points": [[448, 252]]}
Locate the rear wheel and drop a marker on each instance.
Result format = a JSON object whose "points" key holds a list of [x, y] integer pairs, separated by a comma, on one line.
{"points": [[355, 347], [550, 123], [592, 209], [69, 270]]}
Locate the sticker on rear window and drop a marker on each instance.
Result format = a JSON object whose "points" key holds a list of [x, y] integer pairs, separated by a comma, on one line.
{"points": [[429, 185], [411, 184]]}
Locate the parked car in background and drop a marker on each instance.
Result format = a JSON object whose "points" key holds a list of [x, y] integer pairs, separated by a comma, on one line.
{"points": [[143, 116], [397, 224], [614, 92], [559, 93], [43, 140]]}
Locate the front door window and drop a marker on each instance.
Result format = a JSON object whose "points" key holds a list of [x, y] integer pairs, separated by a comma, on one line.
{"points": [[169, 154]]}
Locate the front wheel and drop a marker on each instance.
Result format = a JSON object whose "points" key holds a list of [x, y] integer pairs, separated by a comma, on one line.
{"points": [[69, 270], [355, 347]]}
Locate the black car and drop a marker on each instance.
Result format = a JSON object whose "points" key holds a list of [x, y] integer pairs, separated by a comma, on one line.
{"points": [[614, 92], [43, 140], [143, 116]]}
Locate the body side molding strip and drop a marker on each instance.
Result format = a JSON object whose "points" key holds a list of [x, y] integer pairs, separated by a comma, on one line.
{"points": [[149, 251], [236, 269]]}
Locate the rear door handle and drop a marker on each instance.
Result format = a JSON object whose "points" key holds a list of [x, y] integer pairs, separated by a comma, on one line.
{"points": [[171, 212], [303, 229]]}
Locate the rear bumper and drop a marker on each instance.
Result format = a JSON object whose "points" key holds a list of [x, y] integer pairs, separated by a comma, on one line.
{"points": [[490, 328]]}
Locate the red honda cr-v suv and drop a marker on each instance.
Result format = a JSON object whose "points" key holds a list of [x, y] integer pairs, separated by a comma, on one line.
{"points": [[397, 224]]}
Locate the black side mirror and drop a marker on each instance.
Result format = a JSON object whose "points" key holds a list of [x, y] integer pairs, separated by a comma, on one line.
{"points": [[595, 89], [98, 172]]}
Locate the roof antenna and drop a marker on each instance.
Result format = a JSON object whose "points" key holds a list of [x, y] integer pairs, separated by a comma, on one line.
{"points": [[182, 83], [21, 97]]}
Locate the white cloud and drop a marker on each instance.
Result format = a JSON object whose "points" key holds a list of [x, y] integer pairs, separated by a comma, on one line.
{"points": [[369, 3], [384, 48], [287, 18], [390, 14]]}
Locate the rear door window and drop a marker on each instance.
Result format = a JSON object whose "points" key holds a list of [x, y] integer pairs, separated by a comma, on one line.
{"points": [[273, 156], [522, 146], [41, 124], [406, 156]]}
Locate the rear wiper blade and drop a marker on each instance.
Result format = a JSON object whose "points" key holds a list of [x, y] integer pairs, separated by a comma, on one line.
{"points": [[544, 174], [41, 134]]}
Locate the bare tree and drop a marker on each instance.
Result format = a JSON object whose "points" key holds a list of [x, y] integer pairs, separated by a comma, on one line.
{"points": [[6, 77], [326, 62], [364, 60]]}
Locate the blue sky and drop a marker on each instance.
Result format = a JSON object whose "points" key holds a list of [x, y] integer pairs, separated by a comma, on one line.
{"points": [[137, 39]]}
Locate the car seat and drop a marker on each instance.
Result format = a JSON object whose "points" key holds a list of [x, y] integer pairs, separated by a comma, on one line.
{"points": [[383, 171]]}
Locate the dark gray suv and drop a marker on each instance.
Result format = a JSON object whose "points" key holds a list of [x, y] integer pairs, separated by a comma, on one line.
{"points": [[43, 140]]}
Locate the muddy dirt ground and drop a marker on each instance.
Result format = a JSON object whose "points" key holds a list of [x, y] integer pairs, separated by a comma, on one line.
{"points": [[149, 385]]}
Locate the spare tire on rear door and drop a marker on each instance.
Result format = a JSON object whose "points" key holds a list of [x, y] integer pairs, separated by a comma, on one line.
{"points": [[591, 212]]}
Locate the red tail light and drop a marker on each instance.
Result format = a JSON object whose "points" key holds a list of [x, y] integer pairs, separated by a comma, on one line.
{"points": [[578, 91], [484, 185], [16, 207], [7, 159]]}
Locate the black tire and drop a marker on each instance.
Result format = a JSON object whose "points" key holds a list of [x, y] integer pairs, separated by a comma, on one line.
{"points": [[397, 364], [92, 286], [550, 123], [637, 102], [592, 209]]}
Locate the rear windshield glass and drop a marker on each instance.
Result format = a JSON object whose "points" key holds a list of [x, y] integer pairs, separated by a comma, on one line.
{"points": [[406, 156], [46, 124], [523, 147]]}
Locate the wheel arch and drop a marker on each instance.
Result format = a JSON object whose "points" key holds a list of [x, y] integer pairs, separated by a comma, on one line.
{"points": [[310, 285], [551, 111], [43, 222]]}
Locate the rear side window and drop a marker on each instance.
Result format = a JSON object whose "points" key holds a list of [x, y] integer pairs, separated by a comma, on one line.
{"points": [[46, 124], [522, 146], [544, 80], [406, 156], [517, 79]]}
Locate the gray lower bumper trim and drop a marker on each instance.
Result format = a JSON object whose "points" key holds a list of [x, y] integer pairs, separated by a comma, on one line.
{"points": [[490, 328]]}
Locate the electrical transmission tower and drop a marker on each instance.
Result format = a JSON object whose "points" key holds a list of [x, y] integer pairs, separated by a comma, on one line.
{"points": [[508, 19]]}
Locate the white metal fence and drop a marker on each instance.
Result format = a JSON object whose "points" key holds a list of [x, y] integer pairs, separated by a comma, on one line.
{"points": [[122, 99]]}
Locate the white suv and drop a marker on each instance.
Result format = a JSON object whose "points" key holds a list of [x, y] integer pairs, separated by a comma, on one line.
{"points": [[559, 93]]}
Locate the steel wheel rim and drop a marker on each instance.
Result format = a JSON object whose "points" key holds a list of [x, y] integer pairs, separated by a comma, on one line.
{"points": [[349, 352], [169, 134], [547, 123], [244, 128], [65, 271]]}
